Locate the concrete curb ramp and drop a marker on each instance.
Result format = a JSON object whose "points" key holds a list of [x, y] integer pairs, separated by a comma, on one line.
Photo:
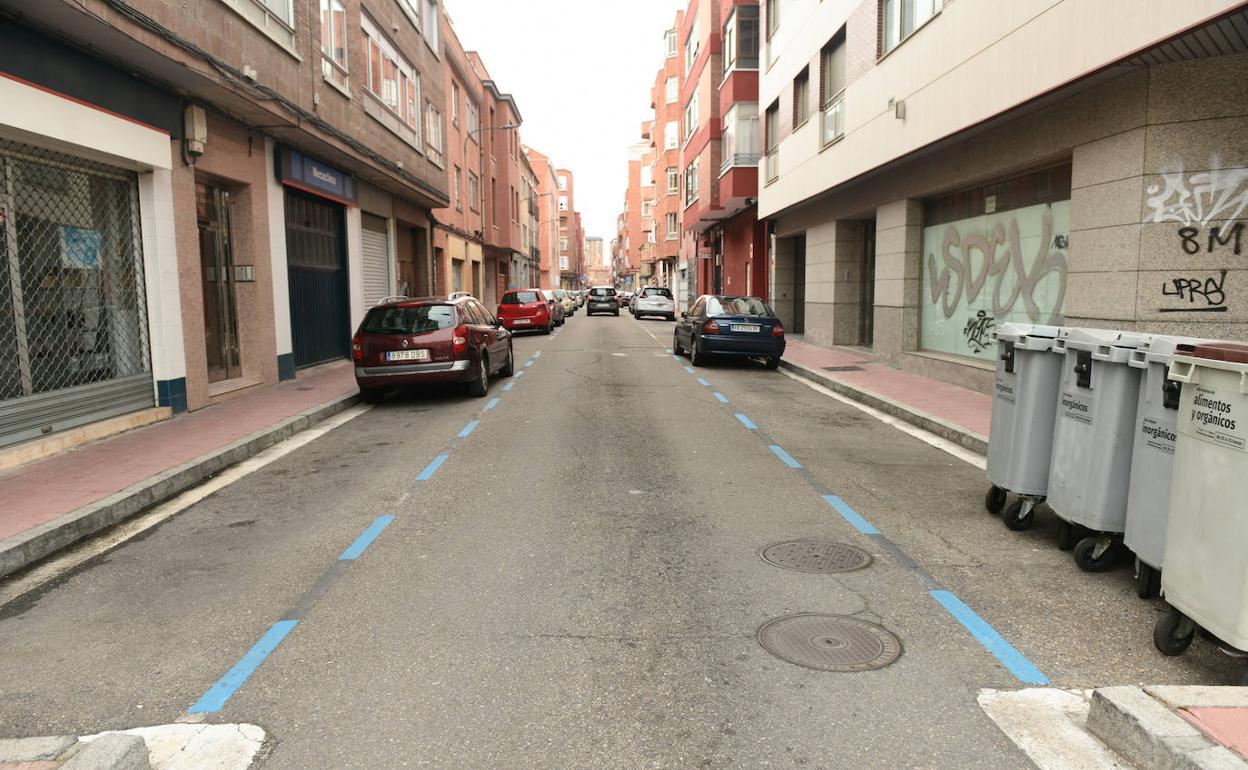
{"points": [[1142, 725], [163, 747], [34, 544], [964, 438]]}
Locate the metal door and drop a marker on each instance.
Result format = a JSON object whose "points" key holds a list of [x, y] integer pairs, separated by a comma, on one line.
{"points": [[216, 257], [316, 256], [375, 258]]}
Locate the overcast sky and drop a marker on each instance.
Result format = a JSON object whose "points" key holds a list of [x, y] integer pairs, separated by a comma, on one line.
{"points": [[581, 72]]}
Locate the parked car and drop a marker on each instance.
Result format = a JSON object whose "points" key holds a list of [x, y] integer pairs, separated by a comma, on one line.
{"points": [[729, 326], [569, 307], [458, 294], [602, 299], [655, 300], [428, 340], [625, 297], [556, 307], [525, 309]]}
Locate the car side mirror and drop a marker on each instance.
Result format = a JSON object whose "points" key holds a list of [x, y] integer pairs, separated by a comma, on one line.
{"points": [[684, 314]]}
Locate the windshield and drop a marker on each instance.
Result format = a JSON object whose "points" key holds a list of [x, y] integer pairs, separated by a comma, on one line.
{"points": [[409, 320], [519, 298], [736, 306], [601, 292], [561, 294], [656, 293]]}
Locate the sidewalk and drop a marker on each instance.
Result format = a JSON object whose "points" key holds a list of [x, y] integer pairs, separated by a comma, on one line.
{"points": [[957, 414], [48, 504]]}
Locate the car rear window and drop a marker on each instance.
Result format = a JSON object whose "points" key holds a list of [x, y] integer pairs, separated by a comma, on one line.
{"points": [[656, 293], [603, 292], [737, 306], [519, 297], [408, 319]]}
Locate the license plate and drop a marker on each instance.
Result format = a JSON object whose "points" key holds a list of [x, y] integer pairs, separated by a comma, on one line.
{"points": [[522, 321], [746, 327], [407, 355]]}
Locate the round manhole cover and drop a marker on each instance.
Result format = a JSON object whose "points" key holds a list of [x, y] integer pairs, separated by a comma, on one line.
{"points": [[816, 556], [829, 642]]}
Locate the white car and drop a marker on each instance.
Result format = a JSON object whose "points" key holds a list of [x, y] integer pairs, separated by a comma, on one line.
{"points": [[655, 300]]}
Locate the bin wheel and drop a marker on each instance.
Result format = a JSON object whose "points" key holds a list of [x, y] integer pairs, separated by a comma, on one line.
{"points": [[1147, 581], [1067, 535], [1173, 633], [995, 500], [1087, 558], [1016, 518]]}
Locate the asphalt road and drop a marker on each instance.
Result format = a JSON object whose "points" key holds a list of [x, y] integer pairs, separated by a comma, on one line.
{"points": [[579, 584]]}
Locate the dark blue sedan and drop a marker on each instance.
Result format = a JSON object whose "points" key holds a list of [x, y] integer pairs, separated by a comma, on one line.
{"points": [[729, 326]]}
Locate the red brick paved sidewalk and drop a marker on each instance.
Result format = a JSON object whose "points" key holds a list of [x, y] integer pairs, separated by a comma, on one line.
{"points": [[38, 493], [959, 414]]}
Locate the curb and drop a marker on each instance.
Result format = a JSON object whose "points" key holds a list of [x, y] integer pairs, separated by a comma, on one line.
{"points": [[21, 550], [1142, 727], [964, 438]]}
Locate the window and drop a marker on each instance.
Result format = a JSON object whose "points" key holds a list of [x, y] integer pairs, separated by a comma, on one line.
{"points": [[650, 234], [669, 42], [691, 116], [647, 176], [740, 143], [454, 103], [903, 17], [691, 47], [474, 191], [459, 204], [772, 128], [390, 78], [563, 182], [283, 9], [832, 98], [673, 180], [647, 209], [801, 98], [563, 243], [671, 227], [773, 17], [671, 89], [741, 39], [671, 135], [412, 9], [563, 262], [433, 133], [334, 41], [474, 116], [563, 203], [515, 205], [691, 181], [431, 24]]}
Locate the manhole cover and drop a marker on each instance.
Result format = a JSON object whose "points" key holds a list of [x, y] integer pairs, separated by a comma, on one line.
{"points": [[829, 642], [816, 556], [842, 368]]}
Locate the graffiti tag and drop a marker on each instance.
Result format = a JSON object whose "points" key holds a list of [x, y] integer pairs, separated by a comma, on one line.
{"points": [[1203, 295], [1199, 198], [1217, 237], [956, 279], [978, 331]]}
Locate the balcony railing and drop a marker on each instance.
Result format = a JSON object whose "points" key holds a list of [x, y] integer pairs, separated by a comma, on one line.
{"points": [[771, 166], [834, 118], [739, 159]]}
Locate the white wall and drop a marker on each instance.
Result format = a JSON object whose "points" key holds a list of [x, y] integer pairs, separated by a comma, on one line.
{"points": [[277, 253]]}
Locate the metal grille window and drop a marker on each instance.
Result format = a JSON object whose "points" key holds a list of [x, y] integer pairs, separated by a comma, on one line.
{"points": [[72, 309]]}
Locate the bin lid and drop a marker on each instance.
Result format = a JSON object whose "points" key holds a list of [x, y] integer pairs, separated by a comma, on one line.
{"points": [[1162, 347], [1087, 339], [1230, 352], [1015, 332]]}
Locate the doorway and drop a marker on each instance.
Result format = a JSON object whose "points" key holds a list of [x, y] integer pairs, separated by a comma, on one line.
{"points": [[316, 257], [799, 284], [866, 307], [216, 260]]}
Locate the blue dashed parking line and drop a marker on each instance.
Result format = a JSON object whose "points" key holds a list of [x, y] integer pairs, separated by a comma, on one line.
{"points": [[432, 467], [469, 428], [722, 398], [689, 369], [493, 402], [850, 515], [746, 421], [702, 381], [785, 457], [378, 526], [509, 386]]}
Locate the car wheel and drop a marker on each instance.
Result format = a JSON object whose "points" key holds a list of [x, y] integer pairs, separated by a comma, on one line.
{"points": [[509, 368], [546, 329], [676, 348], [773, 362], [695, 357], [481, 383], [372, 395], [617, 314]]}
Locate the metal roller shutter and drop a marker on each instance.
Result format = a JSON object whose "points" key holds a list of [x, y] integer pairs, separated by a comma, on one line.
{"points": [[376, 259]]}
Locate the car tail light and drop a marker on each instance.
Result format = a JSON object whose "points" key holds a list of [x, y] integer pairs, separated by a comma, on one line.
{"points": [[459, 343], [777, 330], [710, 327], [357, 352]]}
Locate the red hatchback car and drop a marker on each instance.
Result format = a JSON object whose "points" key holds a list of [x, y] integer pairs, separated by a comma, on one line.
{"points": [[523, 309], [428, 340]]}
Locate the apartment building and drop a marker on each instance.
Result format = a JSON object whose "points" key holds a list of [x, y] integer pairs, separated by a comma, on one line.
{"points": [[665, 142], [526, 268], [701, 136], [633, 234], [569, 229], [547, 217], [205, 200], [969, 163]]}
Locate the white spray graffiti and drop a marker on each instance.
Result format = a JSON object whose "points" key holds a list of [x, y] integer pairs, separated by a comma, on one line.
{"points": [[1199, 198]]}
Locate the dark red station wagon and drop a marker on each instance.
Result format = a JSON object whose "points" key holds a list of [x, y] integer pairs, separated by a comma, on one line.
{"points": [[428, 340]]}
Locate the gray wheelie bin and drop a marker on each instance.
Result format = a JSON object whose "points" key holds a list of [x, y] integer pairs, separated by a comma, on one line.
{"points": [[1092, 441], [1152, 458], [1020, 439]]}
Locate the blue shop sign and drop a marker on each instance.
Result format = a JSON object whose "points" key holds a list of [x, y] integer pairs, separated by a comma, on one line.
{"points": [[310, 175]]}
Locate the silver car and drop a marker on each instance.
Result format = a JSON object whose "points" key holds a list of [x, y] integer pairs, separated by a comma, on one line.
{"points": [[655, 301]]}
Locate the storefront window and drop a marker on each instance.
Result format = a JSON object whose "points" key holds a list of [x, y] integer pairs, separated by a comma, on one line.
{"points": [[991, 255]]}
